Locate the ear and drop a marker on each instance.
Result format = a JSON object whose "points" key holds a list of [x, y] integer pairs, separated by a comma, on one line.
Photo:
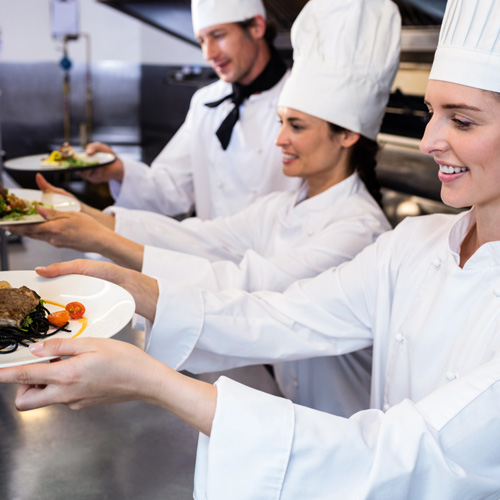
{"points": [[258, 27], [349, 138]]}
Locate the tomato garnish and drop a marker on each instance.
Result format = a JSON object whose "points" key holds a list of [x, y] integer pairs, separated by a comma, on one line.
{"points": [[58, 318], [75, 309]]}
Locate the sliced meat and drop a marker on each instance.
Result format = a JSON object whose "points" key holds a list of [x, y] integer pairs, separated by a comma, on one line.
{"points": [[15, 304]]}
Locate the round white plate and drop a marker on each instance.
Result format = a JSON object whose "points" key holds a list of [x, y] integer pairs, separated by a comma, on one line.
{"points": [[34, 163], [108, 307], [57, 201]]}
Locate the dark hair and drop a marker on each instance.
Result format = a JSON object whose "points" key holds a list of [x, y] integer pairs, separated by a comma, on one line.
{"points": [[270, 34], [363, 159]]}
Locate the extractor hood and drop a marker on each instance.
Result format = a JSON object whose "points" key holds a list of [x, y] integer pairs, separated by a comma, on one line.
{"points": [[421, 19]]}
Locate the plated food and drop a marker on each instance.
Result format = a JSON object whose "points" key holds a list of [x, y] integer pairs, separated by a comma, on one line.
{"points": [[68, 159], [24, 319], [13, 208], [66, 156], [105, 307], [19, 205]]}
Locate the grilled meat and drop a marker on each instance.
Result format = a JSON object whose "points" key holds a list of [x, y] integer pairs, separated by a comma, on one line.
{"points": [[15, 304]]}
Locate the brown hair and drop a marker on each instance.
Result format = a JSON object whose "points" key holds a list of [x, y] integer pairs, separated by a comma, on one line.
{"points": [[271, 30], [363, 159]]}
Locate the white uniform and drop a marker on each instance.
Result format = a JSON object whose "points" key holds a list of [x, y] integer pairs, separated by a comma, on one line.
{"points": [[268, 246], [193, 167], [434, 428]]}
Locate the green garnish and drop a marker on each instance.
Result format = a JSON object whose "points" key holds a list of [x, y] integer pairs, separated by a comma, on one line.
{"points": [[27, 321]]}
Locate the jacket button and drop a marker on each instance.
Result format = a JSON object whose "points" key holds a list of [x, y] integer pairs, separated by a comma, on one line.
{"points": [[436, 262], [386, 406], [400, 338], [451, 376], [497, 292]]}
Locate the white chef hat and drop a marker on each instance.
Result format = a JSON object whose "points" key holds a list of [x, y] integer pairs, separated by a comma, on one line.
{"points": [[345, 58], [468, 50], [207, 13]]}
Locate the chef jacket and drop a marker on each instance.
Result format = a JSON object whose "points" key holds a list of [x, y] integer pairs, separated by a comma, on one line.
{"points": [[434, 426], [279, 239], [193, 167]]}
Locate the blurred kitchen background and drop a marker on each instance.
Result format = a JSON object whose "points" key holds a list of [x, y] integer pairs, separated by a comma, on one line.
{"points": [[127, 73], [125, 77]]}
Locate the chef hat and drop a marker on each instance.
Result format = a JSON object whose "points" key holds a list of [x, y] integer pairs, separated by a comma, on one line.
{"points": [[207, 13], [345, 58], [468, 50]]}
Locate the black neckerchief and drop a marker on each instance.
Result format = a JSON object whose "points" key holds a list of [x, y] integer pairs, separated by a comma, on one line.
{"points": [[270, 76]]}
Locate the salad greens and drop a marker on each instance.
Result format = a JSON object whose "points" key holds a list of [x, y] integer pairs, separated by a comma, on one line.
{"points": [[13, 208]]}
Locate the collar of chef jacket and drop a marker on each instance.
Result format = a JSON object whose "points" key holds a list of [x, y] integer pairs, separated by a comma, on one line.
{"points": [[327, 198], [487, 252]]}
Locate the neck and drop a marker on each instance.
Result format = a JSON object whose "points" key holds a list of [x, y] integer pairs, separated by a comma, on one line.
{"points": [[259, 64], [320, 184], [321, 181], [485, 230]]}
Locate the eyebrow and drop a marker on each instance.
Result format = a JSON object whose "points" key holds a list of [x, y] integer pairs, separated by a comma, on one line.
{"points": [[291, 119], [458, 106], [216, 31], [461, 106], [210, 34]]}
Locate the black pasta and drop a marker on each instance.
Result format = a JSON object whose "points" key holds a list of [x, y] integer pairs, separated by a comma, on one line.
{"points": [[38, 328]]}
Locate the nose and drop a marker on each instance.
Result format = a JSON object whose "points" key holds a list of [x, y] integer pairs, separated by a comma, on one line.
{"points": [[209, 49], [283, 138], [434, 139]]}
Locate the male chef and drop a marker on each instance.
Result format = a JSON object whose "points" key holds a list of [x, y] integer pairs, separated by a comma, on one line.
{"points": [[223, 156]]}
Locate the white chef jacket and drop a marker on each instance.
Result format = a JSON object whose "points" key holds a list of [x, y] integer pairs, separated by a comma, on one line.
{"points": [[193, 167], [279, 239], [434, 426]]}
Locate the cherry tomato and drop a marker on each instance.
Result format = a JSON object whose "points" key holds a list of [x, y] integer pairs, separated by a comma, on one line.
{"points": [[58, 318], [75, 309]]}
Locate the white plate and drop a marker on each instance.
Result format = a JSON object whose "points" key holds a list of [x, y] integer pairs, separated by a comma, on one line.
{"points": [[108, 307], [34, 163], [57, 201]]}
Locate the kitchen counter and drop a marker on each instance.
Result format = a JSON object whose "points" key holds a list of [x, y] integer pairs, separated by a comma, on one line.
{"points": [[125, 451]]}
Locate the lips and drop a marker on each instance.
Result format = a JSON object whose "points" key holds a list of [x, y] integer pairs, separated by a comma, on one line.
{"points": [[220, 66], [288, 158]]}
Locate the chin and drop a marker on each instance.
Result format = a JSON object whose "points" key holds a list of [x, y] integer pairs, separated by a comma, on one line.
{"points": [[226, 76], [454, 201]]}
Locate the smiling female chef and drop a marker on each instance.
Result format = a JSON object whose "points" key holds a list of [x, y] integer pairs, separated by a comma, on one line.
{"points": [[288, 236], [331, 113], [426, 295]]}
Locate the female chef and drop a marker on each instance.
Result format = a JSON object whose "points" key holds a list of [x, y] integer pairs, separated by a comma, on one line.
{"points": [[286, 236], [425, 295]]}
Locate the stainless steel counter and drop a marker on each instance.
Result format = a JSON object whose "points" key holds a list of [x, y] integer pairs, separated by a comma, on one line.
{"points": [[126, 451]]}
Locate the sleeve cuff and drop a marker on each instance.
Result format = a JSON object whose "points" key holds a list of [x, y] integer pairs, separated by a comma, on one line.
{"points": [[177, 325], [232, 463]]}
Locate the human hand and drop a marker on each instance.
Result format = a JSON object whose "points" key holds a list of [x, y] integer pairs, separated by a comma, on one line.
{"points": [[95, 268], [45, 186], [103, 371], [74, 230], [106, 219], [99, 371], [113, 171], [143, 288]]}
